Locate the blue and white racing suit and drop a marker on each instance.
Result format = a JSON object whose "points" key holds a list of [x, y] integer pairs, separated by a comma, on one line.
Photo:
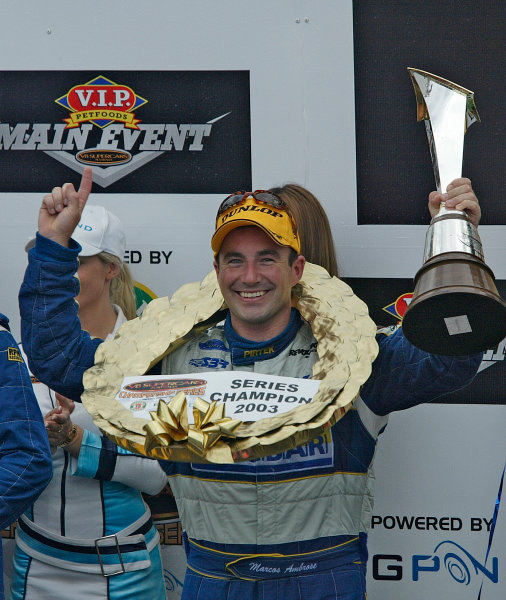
{"points": [[25, 458], [94, 500], [290, 526]]}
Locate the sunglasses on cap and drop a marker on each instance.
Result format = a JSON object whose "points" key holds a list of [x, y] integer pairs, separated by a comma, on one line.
{"points": [[262, 196], [277, 228]]}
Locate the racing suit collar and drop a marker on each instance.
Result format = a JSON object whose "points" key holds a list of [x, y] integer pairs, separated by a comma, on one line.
{"points": [[246, 352]]}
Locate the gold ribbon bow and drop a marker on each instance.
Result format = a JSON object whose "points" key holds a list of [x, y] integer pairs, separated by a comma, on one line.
{"points": [[170, 424]]}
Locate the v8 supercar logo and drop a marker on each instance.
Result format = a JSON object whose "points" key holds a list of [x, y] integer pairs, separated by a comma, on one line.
{"points": [[162, 385]]}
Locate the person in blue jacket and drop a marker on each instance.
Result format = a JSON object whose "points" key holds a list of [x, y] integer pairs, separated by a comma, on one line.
{"points": [[90, 534], [25, 457], [291, 526]]}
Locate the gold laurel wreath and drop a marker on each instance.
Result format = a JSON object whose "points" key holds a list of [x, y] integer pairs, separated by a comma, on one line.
{"points": [[346, 348]]}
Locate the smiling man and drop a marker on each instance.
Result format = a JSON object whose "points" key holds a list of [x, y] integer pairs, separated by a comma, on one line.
{"points": [[287, 527], [256, 276], [257, 262]]}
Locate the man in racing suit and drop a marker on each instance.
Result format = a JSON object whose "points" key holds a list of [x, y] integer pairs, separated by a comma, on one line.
{"points": [[25, 458], [287, 526]]}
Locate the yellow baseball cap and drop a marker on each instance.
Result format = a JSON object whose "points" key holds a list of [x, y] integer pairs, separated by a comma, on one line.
{"points": [[260, 209]]}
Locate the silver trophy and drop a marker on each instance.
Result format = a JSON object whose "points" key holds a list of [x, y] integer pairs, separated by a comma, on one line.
{"points": [[456, 308]]}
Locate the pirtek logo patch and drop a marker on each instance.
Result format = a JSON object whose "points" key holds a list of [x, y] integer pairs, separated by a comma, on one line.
{"points": [[259, 352], [263, 209]]}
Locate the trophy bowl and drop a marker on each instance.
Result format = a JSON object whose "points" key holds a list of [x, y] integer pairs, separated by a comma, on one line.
{"points": [[456, 309]]}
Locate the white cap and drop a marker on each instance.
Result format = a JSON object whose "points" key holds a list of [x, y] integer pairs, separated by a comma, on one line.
{"points": [[98, 231]]}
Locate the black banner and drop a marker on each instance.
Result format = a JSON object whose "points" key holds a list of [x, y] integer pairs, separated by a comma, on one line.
{"points": [[142, 131], [460, 41]]}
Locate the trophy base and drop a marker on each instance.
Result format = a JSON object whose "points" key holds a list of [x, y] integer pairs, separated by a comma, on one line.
{"points": [[456, 309]]}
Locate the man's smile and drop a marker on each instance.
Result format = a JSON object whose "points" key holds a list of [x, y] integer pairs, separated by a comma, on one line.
{"points": [[255, 294]]}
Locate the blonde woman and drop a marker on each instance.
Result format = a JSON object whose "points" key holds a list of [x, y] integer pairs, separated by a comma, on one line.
{"points": [[90, 535]]}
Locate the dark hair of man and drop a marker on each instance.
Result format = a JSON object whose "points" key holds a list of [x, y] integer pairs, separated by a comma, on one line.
{"points": [[292, 256]]}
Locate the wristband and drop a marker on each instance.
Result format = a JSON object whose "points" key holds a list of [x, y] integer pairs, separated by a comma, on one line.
{"points": [[70, 438]]}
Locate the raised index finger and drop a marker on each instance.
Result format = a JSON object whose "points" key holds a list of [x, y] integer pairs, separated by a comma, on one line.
{"points": [[85, 187]]}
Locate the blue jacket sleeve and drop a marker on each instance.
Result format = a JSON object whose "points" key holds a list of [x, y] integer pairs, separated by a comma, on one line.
{"points": [[404, 376], [25, 458], [58, 350]]}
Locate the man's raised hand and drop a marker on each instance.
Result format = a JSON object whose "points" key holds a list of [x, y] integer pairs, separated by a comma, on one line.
{"points": [[61, 210], [459, 195]]}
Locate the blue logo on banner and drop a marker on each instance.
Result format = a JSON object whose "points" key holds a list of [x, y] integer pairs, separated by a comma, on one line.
{"points": [[459, 563]]}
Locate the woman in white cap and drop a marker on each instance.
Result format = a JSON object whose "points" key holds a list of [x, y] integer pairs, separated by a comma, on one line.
{"points": [[90, 534]]}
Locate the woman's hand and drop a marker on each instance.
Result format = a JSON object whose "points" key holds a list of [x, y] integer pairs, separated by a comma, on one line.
{"points": [[57, 421]]}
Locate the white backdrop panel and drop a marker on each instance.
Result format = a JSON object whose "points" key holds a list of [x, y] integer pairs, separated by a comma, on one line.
{"points": [[439, 460]]}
